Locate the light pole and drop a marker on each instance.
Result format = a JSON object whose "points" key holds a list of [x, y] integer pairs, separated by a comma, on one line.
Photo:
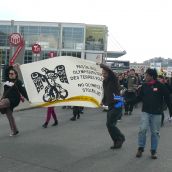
{"points": [[12, 30]]}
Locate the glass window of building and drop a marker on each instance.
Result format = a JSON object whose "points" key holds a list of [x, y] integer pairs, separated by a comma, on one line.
{"points": [[70, 53], [95, 38], [4, 56], [45, 55], [28, 56], [73, 38], [5, 31], [47, 37]]}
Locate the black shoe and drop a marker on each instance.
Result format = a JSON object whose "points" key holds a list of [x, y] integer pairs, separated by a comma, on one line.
{"points": [[114, 145], [55, 123], [118, 143], [126, 113], [45, 125], [78, 116], [73, 118], [14, 133], [154, 154], [139, 152]]}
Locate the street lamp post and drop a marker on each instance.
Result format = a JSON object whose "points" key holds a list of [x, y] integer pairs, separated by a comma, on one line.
{"points": [[11, 47]]}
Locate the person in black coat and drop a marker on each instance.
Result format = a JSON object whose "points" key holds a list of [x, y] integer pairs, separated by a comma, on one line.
{"points": [[111, 89], [152, 94], [13, 92]]}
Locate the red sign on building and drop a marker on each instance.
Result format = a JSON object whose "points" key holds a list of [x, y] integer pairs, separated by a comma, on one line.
{"points": [[15, 39], [52, 54], [36, 48]]}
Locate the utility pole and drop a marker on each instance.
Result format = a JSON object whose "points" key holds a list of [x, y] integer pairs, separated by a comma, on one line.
{"points": [[12, 48]]}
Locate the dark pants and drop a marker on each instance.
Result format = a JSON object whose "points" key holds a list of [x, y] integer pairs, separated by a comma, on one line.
{"points": [[5, 108], [130, 96], [51, 112], [162, 119], [112, 118], [76, 111]]}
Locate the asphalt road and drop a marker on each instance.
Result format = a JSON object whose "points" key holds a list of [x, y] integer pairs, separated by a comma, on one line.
{"points": [[79, 146]]}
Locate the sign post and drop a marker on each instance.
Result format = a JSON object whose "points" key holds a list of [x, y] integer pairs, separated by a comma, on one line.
{"points": [[52, 54], [36, 50], [16, 40]]}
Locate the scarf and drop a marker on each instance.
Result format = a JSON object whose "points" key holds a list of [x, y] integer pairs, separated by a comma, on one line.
{"points": [[151, 82]]}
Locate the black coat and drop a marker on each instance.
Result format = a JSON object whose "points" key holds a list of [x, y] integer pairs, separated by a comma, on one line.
{"points": [[153, 97], [109, 92], [13, 91]]}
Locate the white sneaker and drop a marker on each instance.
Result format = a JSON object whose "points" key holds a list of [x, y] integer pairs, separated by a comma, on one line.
{"points": [[11, 134], [14, 134]]}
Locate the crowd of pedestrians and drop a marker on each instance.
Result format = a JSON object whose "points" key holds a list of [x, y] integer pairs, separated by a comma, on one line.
{"points": [[153, 90], [121, 91]]}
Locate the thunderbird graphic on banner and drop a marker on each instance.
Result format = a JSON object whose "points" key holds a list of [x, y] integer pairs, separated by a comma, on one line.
{"points": [[63, 81], [53, 90]]}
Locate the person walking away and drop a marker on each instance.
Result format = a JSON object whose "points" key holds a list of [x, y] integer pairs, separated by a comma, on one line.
{"points": [[152, 94], [111, 89]]}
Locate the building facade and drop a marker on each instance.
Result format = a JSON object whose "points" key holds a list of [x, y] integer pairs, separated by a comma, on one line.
{"points": [[64, 39]]}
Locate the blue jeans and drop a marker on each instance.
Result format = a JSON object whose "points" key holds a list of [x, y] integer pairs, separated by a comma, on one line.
{"points": [[154, 122]]}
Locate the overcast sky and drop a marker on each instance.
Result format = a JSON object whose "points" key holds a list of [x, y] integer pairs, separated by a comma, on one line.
{"points": [[141, 27]]}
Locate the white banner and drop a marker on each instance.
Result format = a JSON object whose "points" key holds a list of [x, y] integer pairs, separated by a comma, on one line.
{"points": [[63, 81]]}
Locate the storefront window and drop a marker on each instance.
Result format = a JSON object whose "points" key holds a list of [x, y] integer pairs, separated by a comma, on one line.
{"points": [[73, 38], [28, 56], [95, 38], [5, 31], [47, 37], [69, 53]]}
